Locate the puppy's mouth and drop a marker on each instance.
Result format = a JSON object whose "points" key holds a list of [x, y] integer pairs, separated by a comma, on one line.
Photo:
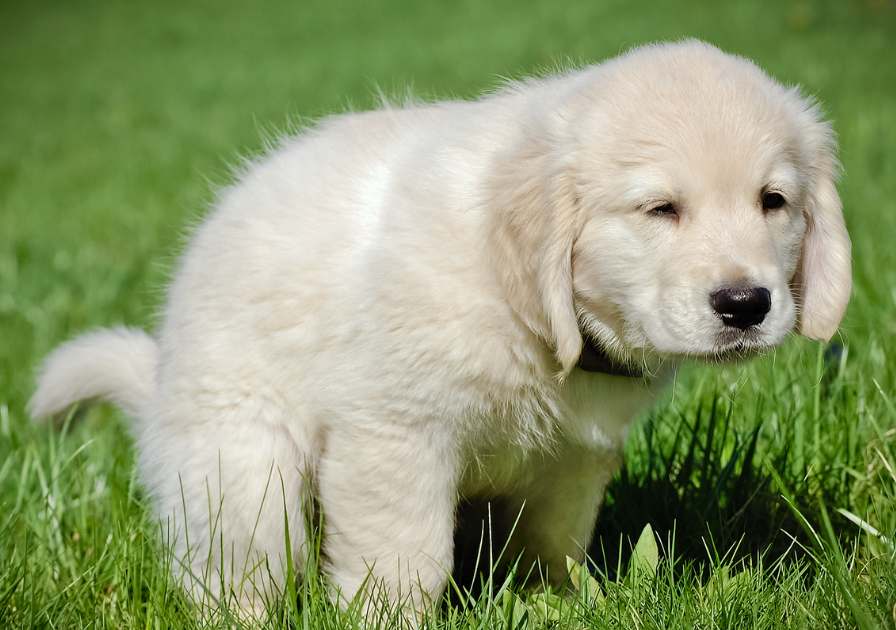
{"points": [[729, 347], [726, 346], [734, 346]]}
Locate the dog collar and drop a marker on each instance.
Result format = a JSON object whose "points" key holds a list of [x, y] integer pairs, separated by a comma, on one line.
{"points": [[595, 359]]}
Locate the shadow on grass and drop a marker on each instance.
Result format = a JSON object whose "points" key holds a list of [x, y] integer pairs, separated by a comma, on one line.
{"points": [[704, 483], [707, 495]]}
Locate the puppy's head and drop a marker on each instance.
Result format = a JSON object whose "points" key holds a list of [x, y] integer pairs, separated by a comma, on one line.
{"points": [[709, 219], [706, 221]]}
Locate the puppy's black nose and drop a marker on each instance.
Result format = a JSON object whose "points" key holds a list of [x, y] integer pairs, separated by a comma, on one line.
{"points": [[741, 307]]}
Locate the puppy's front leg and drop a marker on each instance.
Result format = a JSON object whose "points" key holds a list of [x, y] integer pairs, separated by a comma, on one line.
{"points": [[388, 495], [558, 509]]}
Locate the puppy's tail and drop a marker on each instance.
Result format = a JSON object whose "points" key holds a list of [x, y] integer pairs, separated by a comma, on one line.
{"points": [[115, 364]]}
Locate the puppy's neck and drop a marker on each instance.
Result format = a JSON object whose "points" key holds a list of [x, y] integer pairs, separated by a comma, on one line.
{"points": [[595, 359]]}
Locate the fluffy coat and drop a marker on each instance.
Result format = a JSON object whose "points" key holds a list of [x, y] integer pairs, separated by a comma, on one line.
{"points": [[387, 311]]}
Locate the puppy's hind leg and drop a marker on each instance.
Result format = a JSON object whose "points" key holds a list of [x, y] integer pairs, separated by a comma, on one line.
{"points": [[229, 487]]}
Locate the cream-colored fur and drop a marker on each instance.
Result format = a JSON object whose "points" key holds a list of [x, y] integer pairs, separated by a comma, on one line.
{"points": [[390, 307]]}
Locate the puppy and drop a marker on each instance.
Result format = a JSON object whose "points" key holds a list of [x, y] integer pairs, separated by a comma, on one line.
{"points": [[400, 308]]}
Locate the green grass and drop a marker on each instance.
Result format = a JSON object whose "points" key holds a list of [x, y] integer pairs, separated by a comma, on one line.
{"points": [[118, 120]]}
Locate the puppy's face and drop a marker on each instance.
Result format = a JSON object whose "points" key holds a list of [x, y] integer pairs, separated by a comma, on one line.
{"points": [[696, 253], [708, 211]]}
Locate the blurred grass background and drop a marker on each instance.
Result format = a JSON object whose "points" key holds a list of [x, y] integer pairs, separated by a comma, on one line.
{"points": [[117, 122], [116, 118]]}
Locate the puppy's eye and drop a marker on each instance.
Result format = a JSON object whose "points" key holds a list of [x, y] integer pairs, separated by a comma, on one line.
{"points": [[772, 200], [666, 209]]}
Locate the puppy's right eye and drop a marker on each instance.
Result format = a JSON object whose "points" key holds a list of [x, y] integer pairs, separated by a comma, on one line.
{"points": [[772, 200], [666, 209]]}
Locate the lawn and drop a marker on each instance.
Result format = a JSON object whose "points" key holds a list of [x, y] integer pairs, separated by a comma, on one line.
{"points": [[770, 487]]}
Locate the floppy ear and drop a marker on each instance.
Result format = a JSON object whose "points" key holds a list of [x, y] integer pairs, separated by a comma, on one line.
{"points": [[533, 219], [824, 279], [554, 277]]}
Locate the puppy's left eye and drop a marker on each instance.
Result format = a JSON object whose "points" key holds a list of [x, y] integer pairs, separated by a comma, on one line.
{"points": [[664, 209], [772, 200]]}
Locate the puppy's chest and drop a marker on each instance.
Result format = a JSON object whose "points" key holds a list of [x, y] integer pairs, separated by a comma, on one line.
{"points": [[591, 411]]}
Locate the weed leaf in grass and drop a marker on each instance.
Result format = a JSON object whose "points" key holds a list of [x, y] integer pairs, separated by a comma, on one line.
{"points": [[722, 583], [516, 614], [587, 587], [645, 556], [546, 607]]}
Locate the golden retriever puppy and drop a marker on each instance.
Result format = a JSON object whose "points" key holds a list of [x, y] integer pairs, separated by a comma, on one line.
{"points": [[405, 307]]}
